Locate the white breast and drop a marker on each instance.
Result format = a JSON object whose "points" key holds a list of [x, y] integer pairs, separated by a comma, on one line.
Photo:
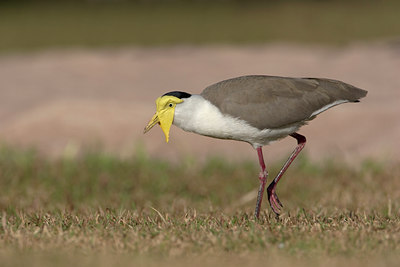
{"points": [[198, 115]]}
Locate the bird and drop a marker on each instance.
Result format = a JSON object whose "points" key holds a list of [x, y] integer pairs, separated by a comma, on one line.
{"points": [[257, 109]]}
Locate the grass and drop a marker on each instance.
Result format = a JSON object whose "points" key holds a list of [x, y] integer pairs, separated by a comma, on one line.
{"points": [[42, 25], [98, 210]]}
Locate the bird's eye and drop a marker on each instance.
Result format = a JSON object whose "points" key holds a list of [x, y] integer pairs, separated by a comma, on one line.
{"points": [[170, 105]]}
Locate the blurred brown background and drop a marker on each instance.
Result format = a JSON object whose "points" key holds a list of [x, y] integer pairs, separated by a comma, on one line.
{"points": [[77, 75]]}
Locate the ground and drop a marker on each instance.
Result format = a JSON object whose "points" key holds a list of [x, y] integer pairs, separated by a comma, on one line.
{"points": [[96, 209]]}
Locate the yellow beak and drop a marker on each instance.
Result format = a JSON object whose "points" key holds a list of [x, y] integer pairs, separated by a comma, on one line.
{"points": [[151, 123], [164, 119]]}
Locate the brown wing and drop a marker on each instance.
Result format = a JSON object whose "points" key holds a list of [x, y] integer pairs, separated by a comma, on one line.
{"points": [[274, 102]]}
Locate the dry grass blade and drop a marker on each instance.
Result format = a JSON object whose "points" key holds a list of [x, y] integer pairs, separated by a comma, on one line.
{"points": [[160, 215]]}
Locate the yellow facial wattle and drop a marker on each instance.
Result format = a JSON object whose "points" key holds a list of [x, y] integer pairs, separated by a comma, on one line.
{"points": [[164, 115]]}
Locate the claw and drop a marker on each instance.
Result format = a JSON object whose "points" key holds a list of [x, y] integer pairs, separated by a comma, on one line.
{"points": [[274, 201], [274, 205], [277, 199]]}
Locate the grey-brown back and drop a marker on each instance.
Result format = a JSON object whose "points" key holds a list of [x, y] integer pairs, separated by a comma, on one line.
{"points": [[268, 102]]}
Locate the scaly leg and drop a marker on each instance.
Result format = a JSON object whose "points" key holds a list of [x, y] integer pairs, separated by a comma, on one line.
{"points": [[273, 199], [263, 179]]}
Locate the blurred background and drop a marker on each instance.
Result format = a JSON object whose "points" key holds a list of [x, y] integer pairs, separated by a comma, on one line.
{"points": [[84, 74], [79, 180]]}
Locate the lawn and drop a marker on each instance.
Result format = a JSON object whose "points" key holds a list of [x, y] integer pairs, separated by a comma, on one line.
{"points": [[63, 24], [97, 210]]}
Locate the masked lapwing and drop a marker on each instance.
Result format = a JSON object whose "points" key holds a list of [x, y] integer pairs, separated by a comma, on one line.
{"points": [[256, 109]]}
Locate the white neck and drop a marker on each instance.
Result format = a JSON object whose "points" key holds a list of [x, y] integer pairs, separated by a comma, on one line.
{"points": [[198, 115], [193, 113]]}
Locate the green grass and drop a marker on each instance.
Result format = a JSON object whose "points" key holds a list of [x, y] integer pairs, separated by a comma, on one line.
{"points": [[97, 210], [114, 24]]}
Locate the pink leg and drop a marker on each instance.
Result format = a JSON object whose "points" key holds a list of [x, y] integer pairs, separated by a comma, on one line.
{"points": [[263, 179], [273, 199]]}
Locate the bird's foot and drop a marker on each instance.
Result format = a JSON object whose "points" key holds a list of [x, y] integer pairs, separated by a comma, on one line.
{"points": [[273, 199]]}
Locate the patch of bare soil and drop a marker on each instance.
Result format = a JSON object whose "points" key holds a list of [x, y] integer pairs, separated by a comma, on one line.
{"points": [[63, 101]]}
